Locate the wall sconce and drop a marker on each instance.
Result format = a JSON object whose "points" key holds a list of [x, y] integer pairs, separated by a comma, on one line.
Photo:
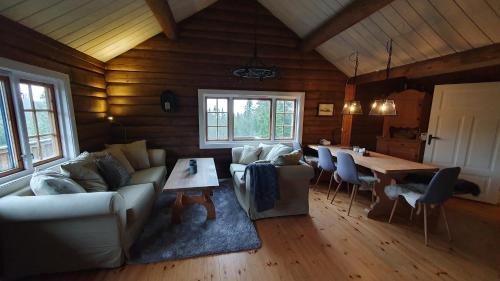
{"points": [[112, 120]]}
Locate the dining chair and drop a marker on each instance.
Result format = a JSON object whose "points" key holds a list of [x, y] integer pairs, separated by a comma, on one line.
{"points": [[325, 163], [434, 194], [348, 173]]}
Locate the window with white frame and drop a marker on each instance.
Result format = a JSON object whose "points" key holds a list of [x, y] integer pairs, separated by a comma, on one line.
{"points": [[232, 118], [37, 126]]}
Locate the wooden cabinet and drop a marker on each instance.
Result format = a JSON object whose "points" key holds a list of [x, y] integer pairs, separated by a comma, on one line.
{"points": [[412, 119]]}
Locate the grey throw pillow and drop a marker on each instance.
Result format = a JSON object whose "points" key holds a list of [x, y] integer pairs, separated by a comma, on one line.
{"points": [[51, 183], [83, 170], [113, 171]]}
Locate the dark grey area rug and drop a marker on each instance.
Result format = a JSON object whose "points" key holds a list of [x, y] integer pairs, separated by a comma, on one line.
{"points": [[231, 231]]}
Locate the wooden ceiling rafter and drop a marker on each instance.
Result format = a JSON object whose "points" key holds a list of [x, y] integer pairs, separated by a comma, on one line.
{"points": [[466, 60], [163, 14], [344, 19]]}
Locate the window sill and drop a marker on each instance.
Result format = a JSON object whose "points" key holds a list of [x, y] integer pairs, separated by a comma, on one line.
{"points": [[231, 144], [19, 180]]}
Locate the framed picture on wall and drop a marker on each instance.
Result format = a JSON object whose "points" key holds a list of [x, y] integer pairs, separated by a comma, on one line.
{"points": [[325, 109]]}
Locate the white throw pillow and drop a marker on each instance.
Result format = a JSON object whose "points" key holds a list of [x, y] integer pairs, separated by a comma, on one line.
{"points": [[250, 154], [266, 148], [83, 170], [136, 153], [50, 183], [278, 150]]}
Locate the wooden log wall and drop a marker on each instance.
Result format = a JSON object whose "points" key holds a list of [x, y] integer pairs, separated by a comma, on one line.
{"points": [[211, 43], [86, 74]]}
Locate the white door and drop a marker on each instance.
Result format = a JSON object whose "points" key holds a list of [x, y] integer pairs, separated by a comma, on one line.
{"points": [[464, 131]]}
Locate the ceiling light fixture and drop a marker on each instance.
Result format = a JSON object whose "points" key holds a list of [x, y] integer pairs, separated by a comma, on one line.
{"points": [[385, 107], [353, 107]]}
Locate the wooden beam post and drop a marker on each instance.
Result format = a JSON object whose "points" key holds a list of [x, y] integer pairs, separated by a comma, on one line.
{"points": [[347, 17], [466, 60], [350, 93], [163, 14]]}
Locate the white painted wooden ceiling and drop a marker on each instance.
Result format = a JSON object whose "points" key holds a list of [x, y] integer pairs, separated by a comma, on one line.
{"points": [[421, 29], [102, 29]]}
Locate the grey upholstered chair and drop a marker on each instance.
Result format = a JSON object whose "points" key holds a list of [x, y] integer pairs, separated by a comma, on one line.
{"points": [[348, 173], [325, 163], [435, 193]]}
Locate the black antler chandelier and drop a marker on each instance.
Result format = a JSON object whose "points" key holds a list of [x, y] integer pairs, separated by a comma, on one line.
{"points": [[255, 68]]}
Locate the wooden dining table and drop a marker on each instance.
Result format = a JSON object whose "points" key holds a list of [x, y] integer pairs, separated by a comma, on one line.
{"points": [[388, 169]]}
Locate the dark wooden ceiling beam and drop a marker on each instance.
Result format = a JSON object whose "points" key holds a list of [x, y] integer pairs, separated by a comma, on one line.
{"points": [[163, 14], [347, 17], [466, 60]]}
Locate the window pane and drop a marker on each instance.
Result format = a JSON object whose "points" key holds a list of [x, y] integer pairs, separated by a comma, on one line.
{"points": [[222, 119], [48, 146], [25, 95], [222, 105], [289, 119], [252, 119], [7, 161], [287, 132], [212, 105], [222, 133], [279, 132], [280, 106], [212, 133], [44, 122], [35, 149], [290, 106], [279, 119], [212, 119], [30, 123], [40, 97]]}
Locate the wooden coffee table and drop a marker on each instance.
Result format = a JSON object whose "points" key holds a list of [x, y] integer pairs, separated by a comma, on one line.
{"points": [[181, 181]]}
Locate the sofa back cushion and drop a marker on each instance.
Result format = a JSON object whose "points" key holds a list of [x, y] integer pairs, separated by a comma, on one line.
{"points": [[83, 170], [114, 173], [292, 158], [278, 150], [51, 183], [136, 153], [250, 154]]}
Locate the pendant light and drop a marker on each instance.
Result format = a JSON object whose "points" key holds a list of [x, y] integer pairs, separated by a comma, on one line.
{"points": [[353, 107], [255, 68], [385, 107]]}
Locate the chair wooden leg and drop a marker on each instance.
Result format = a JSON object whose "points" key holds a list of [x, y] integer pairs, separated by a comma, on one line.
{"points": [[320, 173], [336, 191], [425, 225], [353, 195], [373, 194], [446, 222], [411, 214], [394, 209], [329, 186]]}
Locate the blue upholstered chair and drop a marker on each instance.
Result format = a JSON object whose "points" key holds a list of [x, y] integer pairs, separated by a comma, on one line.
{"points": [[348, 173], [325, 163], [435, 193]]}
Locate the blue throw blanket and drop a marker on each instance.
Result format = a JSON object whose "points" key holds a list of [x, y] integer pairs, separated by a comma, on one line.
{"points": [[263, 185]]}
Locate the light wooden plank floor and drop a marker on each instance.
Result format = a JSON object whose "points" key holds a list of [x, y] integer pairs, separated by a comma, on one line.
{"points": [[329, 245]]}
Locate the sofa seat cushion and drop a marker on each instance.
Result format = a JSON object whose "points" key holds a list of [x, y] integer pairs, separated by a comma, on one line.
{"points": [[154, 175], [233, 168], [139, 200]]}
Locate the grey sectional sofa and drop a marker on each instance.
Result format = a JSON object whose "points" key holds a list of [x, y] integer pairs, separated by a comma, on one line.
{"points": [[294, 189], [56, 233]]}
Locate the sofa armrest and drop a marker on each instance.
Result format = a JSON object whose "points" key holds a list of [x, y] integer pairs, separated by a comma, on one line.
{"points": [[236, 154], [157, 157], [62, 207], [301, 171]]}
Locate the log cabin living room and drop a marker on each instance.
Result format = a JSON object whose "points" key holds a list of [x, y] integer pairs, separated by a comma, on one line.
{"points": [[249, 140]]}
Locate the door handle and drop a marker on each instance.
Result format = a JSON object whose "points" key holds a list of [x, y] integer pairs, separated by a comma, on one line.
{"points": [[430, 138]]}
